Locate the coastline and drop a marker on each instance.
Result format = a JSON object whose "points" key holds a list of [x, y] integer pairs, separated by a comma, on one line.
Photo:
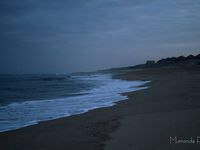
{"points": [[144, 121], [104, 92]]}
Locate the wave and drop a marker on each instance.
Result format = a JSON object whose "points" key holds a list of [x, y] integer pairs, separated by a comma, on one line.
{"points": [[21, 114]]}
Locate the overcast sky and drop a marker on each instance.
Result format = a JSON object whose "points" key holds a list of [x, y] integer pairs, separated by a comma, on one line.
{"points": [[62, 36]]}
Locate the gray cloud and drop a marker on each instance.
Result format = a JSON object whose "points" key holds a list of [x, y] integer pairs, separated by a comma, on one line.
{"points": [[67, 35]]}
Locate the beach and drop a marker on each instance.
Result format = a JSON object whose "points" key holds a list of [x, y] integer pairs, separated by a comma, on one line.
{"points": [[150, 119]]}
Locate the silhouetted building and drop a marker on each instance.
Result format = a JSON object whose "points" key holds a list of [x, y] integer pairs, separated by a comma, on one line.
{"points": [[150, 62]]}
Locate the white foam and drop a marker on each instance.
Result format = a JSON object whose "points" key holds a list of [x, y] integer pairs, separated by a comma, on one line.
{"points": [[17, 115]]}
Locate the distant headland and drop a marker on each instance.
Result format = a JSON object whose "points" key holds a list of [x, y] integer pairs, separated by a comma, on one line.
{"points": [[180, 61]]}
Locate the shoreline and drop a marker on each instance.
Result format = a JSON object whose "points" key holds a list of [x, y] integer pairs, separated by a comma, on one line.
{"points": [[105, 127], [111, 89]]}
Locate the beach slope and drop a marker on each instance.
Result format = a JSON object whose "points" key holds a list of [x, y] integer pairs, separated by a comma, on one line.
{"points": [[147, 120]]}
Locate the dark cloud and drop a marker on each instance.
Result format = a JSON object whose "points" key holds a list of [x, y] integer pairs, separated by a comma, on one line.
{"points": [[66, 35]]}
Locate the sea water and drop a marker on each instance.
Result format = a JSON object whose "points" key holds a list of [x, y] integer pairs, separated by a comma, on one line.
{"points": [[28, 99]]}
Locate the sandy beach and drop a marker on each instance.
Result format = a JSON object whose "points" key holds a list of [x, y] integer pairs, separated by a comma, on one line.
{"points": [[148, 120]]}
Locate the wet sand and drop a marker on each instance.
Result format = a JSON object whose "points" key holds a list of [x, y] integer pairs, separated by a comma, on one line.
{"points": [[147, 120]]}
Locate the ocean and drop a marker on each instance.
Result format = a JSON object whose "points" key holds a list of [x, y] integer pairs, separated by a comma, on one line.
{"points": [[28, 99]]}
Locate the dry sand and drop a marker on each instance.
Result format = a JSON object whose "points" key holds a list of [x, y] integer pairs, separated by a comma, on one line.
{"points": [[170, 107]]}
